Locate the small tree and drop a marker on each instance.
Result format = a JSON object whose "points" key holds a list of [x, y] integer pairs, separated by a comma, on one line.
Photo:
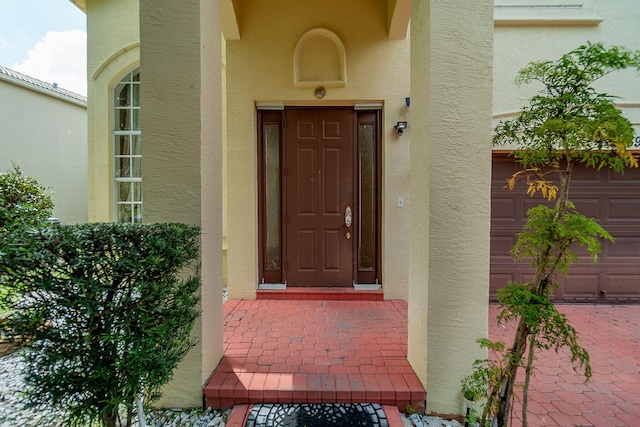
{"points": [[107, 311], [568, 123]]}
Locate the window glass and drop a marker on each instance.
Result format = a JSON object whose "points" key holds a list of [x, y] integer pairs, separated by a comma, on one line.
{"points": [[135, 95], [127, 149], [122, 145], [124, 119], [272, 181], [122, 95], [367, 244], [135, 144]]}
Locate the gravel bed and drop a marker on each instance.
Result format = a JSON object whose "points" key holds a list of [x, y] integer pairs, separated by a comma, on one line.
{"points": [[431, 421], [14, 411]]}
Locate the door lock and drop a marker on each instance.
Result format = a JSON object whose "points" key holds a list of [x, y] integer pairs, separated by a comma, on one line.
{"points": [[347, 216]]}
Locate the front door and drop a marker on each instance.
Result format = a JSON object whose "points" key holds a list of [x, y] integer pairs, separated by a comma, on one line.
{"points": [[319, 203]]}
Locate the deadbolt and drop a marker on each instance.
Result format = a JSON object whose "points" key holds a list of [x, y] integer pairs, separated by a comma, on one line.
{"points": [[347, 216]]}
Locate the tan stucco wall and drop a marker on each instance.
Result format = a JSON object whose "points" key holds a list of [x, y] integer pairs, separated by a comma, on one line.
{"points": [[113, 50], [47, 137], [182, 156], [451, 68], [612, 23], [260, 68], [419, 250]]}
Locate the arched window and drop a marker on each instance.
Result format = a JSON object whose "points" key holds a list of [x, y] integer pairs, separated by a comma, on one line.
{"points": [[127, 154]]}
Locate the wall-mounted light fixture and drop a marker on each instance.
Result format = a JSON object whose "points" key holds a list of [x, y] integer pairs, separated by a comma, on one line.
{"points": [[407, 101], [400, 127]]}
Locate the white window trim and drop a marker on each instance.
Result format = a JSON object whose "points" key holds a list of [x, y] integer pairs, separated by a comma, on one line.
{"points": [[134, 203], [540, 13]]}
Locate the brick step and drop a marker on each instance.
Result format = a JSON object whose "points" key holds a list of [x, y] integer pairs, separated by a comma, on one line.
{"points": [[326, 294], [285, 351], [226, 389]]}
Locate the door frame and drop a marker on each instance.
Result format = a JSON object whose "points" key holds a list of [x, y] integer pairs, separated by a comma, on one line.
{"points": [[276, 119]]}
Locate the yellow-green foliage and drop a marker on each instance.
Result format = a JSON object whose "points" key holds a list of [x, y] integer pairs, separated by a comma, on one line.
{"points": [[567, 123]]}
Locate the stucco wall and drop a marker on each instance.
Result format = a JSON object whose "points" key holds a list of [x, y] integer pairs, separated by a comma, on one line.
{"points": [[113, 49], [260, 68], [516, 45], [47, 137], [182, 158], [451, 67]]}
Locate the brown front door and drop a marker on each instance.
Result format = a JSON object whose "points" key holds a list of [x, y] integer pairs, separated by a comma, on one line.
{"points": [[319, 193]]}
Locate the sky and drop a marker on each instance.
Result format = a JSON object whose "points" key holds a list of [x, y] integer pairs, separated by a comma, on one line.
{"points": [[45, 39]]}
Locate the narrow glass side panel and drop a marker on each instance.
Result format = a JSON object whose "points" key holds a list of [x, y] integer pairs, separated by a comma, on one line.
{"points": [[367, 243], [127, 153], [272, 187]]}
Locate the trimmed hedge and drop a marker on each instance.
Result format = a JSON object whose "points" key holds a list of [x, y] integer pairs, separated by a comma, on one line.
{"points": [[105, 310]]}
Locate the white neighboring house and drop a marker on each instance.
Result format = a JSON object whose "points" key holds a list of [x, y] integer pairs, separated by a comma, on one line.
{"points": [[43, 128]]}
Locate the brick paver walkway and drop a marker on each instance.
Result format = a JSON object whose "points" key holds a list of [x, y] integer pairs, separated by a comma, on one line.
{"points": [[315, 351], [558, 395], [284, 351]]}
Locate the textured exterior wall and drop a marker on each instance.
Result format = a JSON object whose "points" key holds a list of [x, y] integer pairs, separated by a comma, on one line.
{"points": [[515, 46], [182, 157], [451, 80], [419, 207], [112, 50], [47, 137], [260, 68]]}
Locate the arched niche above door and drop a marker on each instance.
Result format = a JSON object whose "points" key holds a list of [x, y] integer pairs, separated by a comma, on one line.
{"points": [[319, 59]]}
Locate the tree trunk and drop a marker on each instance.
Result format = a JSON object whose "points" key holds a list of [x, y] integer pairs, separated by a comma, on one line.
{"points": [[541, 280], [108, 420], [527, 380]]}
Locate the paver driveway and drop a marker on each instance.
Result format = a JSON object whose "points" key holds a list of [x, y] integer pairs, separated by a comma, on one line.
{"points": [[559, 397]]}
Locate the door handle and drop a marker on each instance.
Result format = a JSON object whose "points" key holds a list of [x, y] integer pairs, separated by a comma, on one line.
{"points": [[347, 216]]}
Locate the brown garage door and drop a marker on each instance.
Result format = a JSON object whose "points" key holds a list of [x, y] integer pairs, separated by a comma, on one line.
{"points": [[611, 198]]}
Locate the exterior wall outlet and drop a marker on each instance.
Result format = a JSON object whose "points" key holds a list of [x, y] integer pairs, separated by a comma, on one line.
{"points": [[400, 202]]}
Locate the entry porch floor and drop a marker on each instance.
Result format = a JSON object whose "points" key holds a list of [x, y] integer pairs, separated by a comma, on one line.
{"points": [[349, 349]]}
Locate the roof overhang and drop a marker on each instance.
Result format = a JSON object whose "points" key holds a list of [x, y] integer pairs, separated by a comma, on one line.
{"points": [[398, 15], [81, 4], [230, 27]]}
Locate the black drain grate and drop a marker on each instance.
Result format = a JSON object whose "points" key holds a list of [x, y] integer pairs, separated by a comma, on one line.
{"points": [[318, 415]]}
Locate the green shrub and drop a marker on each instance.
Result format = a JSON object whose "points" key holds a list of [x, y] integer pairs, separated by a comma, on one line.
{"points": [[23, 202], [106, 312]]}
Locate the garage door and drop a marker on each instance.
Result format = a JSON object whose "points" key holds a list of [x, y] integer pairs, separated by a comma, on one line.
{"points": [[613, 199]]}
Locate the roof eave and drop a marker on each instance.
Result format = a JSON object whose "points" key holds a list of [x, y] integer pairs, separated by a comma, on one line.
{"points": [[80, 4]]}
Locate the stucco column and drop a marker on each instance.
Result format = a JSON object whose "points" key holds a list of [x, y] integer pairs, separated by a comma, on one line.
{"points": [[180, 68], [451, 104]]}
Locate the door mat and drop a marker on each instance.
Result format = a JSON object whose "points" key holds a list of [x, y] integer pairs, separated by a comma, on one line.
{"points": [[318, 415]]}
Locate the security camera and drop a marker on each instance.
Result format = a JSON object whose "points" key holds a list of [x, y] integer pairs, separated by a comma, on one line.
{"points": [[400, 127]]}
